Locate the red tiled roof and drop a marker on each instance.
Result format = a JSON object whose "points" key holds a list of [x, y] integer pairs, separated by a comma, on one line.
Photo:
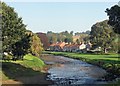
{"points": [[52, 44], [61, 44]]}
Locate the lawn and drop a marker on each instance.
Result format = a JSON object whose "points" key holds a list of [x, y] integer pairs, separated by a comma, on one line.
{"points": [[31, 62], [29, 66]]}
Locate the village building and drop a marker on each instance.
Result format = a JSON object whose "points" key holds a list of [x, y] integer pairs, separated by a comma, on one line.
{"points": [[66, 47], [57, 46], [62, 46], [82, 46]]}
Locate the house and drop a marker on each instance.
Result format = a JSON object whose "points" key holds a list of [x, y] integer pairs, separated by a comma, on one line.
{"points": [[51, 47], [62, 46], [57, 46], [74, 47], [82, 46], [66, 48]]}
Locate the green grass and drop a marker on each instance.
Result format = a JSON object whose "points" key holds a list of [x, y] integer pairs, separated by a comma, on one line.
{"points": [[31, 62], [30, 66]]}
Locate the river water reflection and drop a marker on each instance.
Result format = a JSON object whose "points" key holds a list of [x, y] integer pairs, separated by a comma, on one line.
{"points": [[74, 72]]}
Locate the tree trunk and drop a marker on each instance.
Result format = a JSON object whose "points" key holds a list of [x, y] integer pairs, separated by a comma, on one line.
{"points": [[105, 50]]}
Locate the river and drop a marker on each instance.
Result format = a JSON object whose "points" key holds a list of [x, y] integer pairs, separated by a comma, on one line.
{"points": [[68, 71]]}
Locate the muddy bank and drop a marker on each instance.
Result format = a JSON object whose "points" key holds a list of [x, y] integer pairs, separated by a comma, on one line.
{"points": [[38, 79]]}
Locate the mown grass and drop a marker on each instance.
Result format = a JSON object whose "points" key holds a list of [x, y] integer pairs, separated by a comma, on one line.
{"points": [[31, 61], [29, 66]]}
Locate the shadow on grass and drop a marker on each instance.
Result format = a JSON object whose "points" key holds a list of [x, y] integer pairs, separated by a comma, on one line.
{"points": [[24, 75]]}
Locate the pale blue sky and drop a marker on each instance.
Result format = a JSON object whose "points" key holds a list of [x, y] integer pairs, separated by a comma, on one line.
{"points": [[61, 16]]}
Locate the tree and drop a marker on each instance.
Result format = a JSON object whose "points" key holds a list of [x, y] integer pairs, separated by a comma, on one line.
{"points": [[0, 21], [43, 39], [114, 17], [12, 27], [59, 37], [102, 35], [21, 47], [36, 45], [67, 36], [86, 39], [52, 37], [13, 31], [116, 44], [78, 41], [87, 32], [71, 32]]}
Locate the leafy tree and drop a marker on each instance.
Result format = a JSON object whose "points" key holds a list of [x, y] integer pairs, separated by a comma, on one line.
{"points": [[114, 17], [102, 35], [43, 39], [83, 37], [59, 37], [52, 37], [21, 47], [36, 45], [79, 33], [13, 31], [12, 27], [66, 40], [87, 32], [67, 36], [71, 32], [86, 39], [116, 44], [0, 29], [78, 41]]}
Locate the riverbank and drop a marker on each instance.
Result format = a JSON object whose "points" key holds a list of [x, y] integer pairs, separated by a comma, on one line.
{"points": [[109, 62], [67, 71], [30, 70]]}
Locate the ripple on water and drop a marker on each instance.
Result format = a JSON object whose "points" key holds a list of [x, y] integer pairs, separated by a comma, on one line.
{"points": [[74, 72]]}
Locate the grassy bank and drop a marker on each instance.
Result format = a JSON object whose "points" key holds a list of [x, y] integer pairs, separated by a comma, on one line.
{"points": [[110, 62], [28, 67]]}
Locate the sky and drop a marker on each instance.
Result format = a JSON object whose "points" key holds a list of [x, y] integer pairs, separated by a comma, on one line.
{"points": [[61, 16]]}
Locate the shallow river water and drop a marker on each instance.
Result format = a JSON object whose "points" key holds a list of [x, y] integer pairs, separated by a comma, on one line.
{"points": [[74, 72]]}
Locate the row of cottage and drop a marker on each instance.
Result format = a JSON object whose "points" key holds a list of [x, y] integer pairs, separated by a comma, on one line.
{"points": [[62, 46]]}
